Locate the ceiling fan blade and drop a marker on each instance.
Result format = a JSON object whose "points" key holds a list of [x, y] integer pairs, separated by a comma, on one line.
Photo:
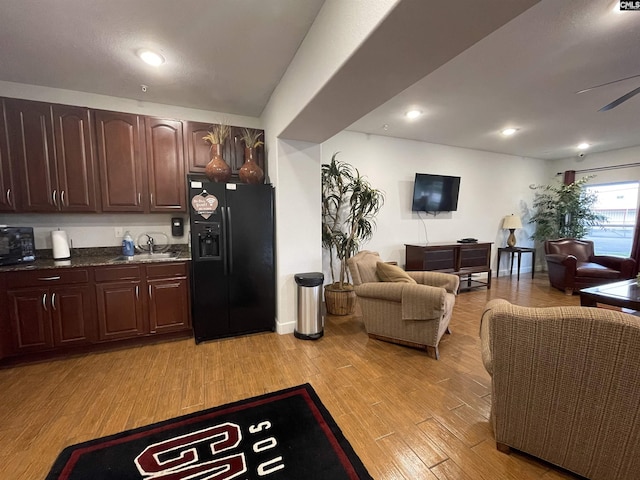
{"points": [[620, 100], [608, 83]]}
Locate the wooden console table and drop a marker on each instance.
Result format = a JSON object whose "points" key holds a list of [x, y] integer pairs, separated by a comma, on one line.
{"points": [[462, 259]]}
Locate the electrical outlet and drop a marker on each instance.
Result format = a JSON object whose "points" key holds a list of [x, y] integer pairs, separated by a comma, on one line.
{"points": [[118, 232]]}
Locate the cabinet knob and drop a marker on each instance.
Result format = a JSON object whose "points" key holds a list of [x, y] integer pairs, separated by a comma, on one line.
{"points": [[53, 300], [44, 302], [62, 202], [54, 196], [9, 202]]}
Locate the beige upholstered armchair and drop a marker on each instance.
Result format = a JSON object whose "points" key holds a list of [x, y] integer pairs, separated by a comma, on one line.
{"points": [[409, 308], [565, 386]]}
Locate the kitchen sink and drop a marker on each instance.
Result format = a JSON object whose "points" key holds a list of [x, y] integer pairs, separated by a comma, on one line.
{"points": [[142, 257]]}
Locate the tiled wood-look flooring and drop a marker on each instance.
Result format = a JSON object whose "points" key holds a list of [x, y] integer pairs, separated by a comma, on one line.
{"points": [[407, 415]]}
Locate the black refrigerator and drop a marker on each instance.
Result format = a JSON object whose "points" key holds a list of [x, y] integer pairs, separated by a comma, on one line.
{"points": [[233, 260]]}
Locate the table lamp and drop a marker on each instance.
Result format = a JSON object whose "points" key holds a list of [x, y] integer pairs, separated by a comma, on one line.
{"points": [[511, 222]]}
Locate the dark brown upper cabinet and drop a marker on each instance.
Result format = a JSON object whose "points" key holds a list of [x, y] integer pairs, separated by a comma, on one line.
{"points": [[165, 165], [75, 159], [32, 153], [52, 157], [121, 159], [7, 191], [198, 151]]}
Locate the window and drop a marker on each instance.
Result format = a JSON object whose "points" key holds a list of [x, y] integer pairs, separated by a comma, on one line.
{"points": [[618, 202]]}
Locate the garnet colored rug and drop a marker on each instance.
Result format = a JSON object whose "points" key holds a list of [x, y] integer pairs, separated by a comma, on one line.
{"points": [[282, 435]]}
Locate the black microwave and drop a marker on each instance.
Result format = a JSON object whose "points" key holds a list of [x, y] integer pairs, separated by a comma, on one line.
{"points": [[16, 245]]}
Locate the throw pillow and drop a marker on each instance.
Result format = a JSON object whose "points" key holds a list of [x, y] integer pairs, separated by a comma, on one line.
{"points": [[392, 273]]}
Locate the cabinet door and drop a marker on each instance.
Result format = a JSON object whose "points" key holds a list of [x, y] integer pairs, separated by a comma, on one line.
{"points": [[73, 315], [198, 151], [33, 156], [168, 305], [120, 310], [121, 161], [165, 164], [30, 319], [7, 191], [75, 159]]}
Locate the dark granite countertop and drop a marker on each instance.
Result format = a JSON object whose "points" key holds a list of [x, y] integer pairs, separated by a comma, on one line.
{"points": [[98, 256]]}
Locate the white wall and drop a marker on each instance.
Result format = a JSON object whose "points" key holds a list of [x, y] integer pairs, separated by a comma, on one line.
{"points": [[91, 230], [623, 156], [298, 227], [104, 102], [294, 167], [492, 186]]}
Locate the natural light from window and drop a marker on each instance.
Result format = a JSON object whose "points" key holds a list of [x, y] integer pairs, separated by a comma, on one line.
{"points": [[618, 202]]}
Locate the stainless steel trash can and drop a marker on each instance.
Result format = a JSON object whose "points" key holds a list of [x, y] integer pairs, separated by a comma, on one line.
{"points": [[309, 324]]}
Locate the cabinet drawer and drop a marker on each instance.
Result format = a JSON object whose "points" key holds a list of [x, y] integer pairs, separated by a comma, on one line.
{"points": [[114, 274], [47, 277], [167, 270]]}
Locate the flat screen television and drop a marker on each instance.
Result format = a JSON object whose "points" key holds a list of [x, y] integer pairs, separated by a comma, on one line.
{"points": [[435, 193]]}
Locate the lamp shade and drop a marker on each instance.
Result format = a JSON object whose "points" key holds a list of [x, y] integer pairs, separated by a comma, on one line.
{"points": [[511, 221]]}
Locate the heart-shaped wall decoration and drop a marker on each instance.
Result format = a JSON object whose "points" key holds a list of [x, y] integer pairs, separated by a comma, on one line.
{"points": [[204, 206]]}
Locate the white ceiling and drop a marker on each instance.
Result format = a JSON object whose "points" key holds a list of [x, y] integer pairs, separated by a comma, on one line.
{"points": [[525, 75], [221, 55], [228, 56]]}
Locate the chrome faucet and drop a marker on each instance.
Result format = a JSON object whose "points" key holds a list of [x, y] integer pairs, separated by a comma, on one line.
{"points": [[150, 242]]}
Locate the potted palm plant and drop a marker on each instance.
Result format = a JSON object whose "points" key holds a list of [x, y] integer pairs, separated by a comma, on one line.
{"points": [[564, 211], [349, 207]]}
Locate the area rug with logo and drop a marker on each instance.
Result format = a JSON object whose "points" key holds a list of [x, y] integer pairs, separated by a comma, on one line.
{"points": [[287, 434]]}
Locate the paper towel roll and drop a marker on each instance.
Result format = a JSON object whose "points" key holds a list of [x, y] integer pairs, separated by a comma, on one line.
{"points": [[60, 245]]}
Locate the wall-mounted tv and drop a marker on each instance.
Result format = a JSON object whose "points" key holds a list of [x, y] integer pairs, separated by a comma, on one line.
{"points": [[435, 193]]}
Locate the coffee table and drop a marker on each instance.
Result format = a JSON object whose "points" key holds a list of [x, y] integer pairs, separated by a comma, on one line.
{"points": [[625, 294]]}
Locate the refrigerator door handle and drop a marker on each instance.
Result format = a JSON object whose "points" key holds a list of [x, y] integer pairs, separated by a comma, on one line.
{"points": [[225, 259], [229, 240]]}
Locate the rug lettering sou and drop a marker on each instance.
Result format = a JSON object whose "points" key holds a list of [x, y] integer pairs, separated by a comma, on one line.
{"points": [[282, 435]]}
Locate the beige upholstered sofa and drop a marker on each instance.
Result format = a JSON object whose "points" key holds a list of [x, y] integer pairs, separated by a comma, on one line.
{"points": [[410, 308], [566, 386]]}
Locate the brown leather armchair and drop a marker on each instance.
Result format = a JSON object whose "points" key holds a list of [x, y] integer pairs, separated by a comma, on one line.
{"points": [[572, 265]]}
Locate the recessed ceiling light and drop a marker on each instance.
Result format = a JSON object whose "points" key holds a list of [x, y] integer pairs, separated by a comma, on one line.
{"points": [[411, 114], [152, 58], [583, 146], [509, 131]]}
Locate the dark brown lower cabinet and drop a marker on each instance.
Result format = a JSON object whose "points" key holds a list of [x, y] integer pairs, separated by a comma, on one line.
{"points": [[145, 300], [53, 311], [168, 290], [47, 318], [120, 310]]}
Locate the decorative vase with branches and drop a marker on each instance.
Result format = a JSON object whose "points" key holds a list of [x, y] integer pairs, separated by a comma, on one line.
{"points": [[349, 207], [564, 211], [217, 169], [250, 171]]}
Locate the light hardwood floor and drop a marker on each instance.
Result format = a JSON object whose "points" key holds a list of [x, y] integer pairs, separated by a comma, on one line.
{"points": [[406, 415]]}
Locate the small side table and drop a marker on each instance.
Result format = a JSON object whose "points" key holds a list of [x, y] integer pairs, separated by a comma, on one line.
{"points": [[517, 251]]}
